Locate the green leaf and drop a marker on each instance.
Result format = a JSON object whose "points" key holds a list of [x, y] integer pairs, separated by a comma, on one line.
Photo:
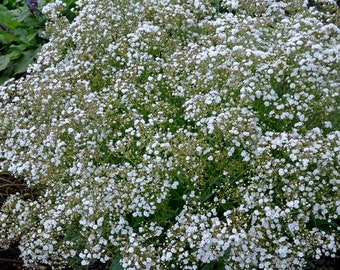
{"points": [[7, 38], [6, 73], [27, 58], [30, 20], [15, 51], [116, 263], [7, 19], [3, 78], [24, 35], [208, 266], [4, 61], [22, 13], [10, 4]]}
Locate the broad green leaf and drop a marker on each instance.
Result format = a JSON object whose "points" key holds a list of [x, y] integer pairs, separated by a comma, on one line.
{"points": [[3, 78], [24, 35], [116, 263], [30, 36], [208, 266], [7, 19], [7, 38], [25, 16], [22, 14], [10, 4], [25, 60], [7, 73], [15, 51], [4, 61]]}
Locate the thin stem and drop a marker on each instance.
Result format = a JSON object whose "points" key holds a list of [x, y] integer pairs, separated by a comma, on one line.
{"points": [[11, 185], [11, 260]]}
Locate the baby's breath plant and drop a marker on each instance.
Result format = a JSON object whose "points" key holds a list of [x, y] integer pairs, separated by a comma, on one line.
{"points": [[177, 135]]}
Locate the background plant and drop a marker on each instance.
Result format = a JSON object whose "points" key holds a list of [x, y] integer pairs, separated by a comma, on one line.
{"points": [[177, 135], [22, 34]]}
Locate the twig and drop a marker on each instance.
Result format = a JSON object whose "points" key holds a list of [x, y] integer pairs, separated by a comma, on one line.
{"points": [[11, 185], [11, 260]]}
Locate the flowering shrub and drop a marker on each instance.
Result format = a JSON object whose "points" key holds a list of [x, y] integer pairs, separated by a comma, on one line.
{"points": [[177, 135]]}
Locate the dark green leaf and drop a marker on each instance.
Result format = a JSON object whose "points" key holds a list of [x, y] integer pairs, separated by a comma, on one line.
{"points": [[7, 38], [7, 19], [24, 35], [25, 60], [3, 78], [4, 61], [116, 263], [208, 266], [15, 51], [22, 14], [30, 36]]}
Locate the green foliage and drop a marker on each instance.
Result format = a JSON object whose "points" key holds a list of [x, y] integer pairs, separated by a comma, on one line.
{"points": [[116, 263], [21, 38], [22, 35]]}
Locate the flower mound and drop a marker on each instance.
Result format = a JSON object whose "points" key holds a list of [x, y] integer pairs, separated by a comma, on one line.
{"points": [[177, 135]]}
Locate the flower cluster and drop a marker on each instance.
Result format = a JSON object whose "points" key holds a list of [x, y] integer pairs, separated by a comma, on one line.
{"points": [[177, 135]]}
